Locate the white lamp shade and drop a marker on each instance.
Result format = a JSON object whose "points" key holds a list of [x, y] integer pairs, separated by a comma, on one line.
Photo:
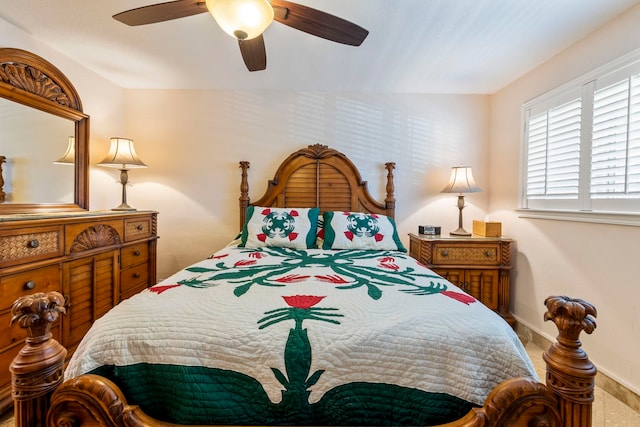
{"points": [[122, 155], [461, 181], [242, 19], [69, 156]]}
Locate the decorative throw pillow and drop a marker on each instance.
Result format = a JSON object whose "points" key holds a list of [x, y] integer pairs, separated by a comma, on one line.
{"points": [[283, 227], [357, 230]]}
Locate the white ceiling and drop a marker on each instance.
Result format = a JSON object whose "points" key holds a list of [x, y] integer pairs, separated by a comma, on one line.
{"points": [[414, 46]]}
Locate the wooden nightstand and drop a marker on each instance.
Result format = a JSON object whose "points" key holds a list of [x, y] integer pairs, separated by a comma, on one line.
{"points": [[481, 266]]}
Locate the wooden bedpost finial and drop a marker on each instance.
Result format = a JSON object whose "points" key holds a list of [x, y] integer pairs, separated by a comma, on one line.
{"points": [[37, 370], [570, 373], [390, 200], [37, 312], [244, 192]]}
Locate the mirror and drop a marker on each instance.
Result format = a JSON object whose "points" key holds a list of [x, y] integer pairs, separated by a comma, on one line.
{"points": [[39, 112]]}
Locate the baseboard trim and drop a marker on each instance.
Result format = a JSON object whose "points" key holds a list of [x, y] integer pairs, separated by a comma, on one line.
{"points": [[608, 384]]}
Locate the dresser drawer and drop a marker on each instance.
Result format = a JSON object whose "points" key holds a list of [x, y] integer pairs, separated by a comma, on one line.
{"points": [[134, 255], [38, 280], [476, 254], [139, 228], [30, 244], [134, 278]]}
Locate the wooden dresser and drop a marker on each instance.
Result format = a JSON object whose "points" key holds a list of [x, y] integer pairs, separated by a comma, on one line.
{"points": [[481, 266], [95, 259]]}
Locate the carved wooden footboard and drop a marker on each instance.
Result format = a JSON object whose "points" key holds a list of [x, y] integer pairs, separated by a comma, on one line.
{"points": [[90, 400]]}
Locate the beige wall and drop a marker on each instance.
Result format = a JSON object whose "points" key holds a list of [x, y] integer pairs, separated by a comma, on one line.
{"points": [[597, 262], [193, 141]]}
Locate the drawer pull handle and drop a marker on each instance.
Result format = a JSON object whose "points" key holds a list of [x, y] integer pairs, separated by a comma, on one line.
{"points": [[444, 252], [30, 285], [140, 227], [33, 243], [489, 254], [136, 253], [136, 275]]}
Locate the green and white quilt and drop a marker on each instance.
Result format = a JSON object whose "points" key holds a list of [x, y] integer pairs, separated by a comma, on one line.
{"points": [[303, 336]]}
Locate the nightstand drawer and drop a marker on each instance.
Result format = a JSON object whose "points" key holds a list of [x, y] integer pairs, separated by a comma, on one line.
{"points": [[480, 266], [476, 254]]}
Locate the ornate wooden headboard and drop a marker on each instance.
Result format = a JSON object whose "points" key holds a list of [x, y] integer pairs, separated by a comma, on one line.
{"points": [[319, 176]]}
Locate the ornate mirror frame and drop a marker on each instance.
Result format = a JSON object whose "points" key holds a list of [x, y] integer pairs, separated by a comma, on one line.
{"points": [[31, 80]]}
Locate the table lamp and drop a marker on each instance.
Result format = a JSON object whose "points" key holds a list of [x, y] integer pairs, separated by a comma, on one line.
{"points": [[122, 156], [461, 181]]}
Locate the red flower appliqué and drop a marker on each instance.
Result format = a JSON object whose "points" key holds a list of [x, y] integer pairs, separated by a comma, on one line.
{"points": [[291, 278], [257, 255], [463, 298], [160, 289], [245, 262], [302, 301], [332, 278], [389, 263]]}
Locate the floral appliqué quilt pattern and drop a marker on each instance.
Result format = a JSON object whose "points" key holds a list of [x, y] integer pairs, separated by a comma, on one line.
{"points": [[373, 270], [282, 336]]}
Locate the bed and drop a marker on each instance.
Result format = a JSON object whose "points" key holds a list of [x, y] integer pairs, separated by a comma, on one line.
{"points": [[314, 315]]}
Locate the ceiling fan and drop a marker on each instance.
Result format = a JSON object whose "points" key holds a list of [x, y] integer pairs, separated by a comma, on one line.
{"points": [[247, 19]]}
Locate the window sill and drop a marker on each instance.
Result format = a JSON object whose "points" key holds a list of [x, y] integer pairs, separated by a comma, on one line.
{"points": [[614, 218]]}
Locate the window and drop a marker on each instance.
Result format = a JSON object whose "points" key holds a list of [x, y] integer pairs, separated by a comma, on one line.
{"points": [[581, 144]]}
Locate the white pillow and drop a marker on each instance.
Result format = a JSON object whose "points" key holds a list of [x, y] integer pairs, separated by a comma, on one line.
{"points": [[357, 230], [281, 227]]}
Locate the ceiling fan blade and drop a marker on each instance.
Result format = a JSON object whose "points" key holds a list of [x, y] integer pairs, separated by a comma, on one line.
{"points": [[318, 23], [161, 12], [254, 53]]}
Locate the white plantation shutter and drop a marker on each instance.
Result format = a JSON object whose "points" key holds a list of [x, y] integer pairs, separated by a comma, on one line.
{"points": [[564, 150], [537, 156], [615, 155], [582, 153], [553, 152]]}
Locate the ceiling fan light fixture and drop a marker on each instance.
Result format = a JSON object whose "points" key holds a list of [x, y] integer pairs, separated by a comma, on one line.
{"points": [[242, 19]]}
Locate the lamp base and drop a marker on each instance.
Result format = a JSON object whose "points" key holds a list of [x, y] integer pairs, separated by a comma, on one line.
{"points": [[460, 232], [123, 207]]}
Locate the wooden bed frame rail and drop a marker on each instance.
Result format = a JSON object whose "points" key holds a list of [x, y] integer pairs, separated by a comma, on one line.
{"points": [[42, 398]]}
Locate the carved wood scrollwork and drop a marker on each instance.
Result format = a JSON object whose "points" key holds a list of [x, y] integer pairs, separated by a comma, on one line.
{"points": [[521, 399], [33, 81], [78, 401], [318, 151], [34, 75], [96, 236]]}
